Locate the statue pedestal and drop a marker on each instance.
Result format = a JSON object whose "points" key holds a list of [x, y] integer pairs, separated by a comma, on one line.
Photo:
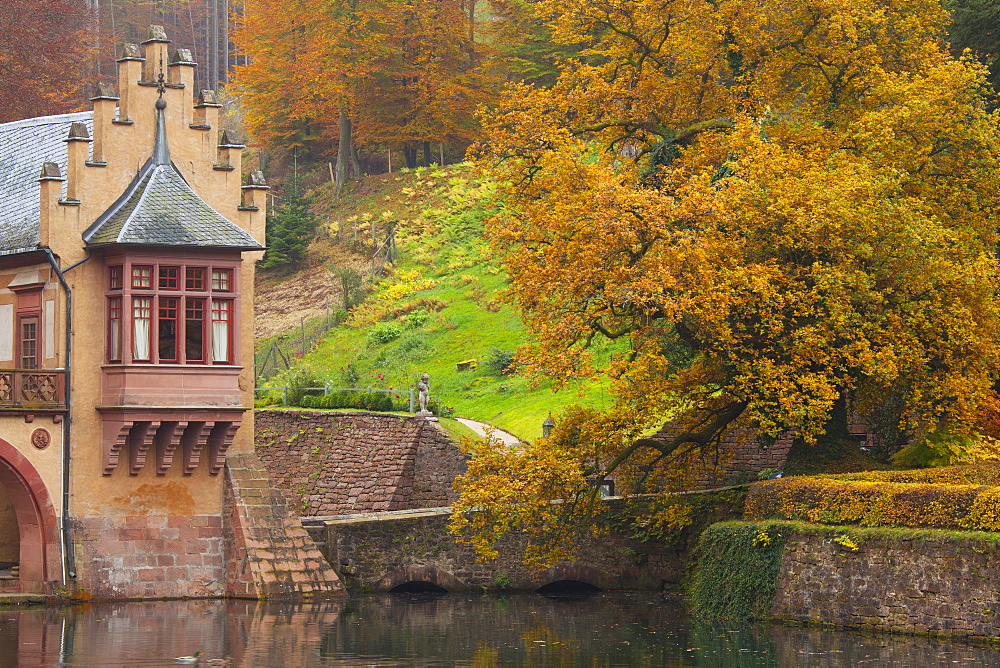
{"points": [[427, 415]]}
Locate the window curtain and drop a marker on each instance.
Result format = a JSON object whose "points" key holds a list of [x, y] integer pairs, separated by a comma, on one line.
{"points": [[220, 331], [142, 308]]}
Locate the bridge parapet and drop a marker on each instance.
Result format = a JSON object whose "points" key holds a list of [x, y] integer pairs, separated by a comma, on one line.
{"points": [[384, 550]]}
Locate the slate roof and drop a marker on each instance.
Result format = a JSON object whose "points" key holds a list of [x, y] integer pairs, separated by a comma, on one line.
{"points": [[161, 209], [24, 146]]}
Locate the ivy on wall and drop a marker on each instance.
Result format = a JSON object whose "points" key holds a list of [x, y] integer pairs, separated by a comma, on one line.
{"points": [[736, 569]]}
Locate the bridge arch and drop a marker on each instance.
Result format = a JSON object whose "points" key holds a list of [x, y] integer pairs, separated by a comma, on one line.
{"points": [[37, 523], [427, 575], [577, 572]]}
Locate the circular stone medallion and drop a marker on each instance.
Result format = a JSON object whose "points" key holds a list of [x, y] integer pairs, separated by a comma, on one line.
{"points": [[40, 438]]}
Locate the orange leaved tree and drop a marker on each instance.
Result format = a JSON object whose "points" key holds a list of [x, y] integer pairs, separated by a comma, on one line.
{"points": [[770, 206], [44, 47]]}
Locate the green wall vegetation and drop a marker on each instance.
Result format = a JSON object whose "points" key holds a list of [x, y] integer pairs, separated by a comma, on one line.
{"points": [[736, 569]]}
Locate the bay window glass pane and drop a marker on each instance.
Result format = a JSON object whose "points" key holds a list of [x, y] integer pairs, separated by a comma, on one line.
{"points": [[142, 313], [167, 329], [170, 278], [142, 276], [221, 332], [115, 329], [194, 278], [194, 330], [222, 280]]}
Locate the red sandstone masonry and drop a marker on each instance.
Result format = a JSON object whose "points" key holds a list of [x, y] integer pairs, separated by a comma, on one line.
{"points": [[140, 557], [267, 554], [336, 463]]}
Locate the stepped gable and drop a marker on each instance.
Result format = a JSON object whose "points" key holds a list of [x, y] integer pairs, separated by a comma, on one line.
{"points": [[268, 554], [24, 146], [159, 208]]}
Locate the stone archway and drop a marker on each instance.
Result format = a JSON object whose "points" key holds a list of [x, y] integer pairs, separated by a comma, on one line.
{"points": [[420, 574], [36, 520]]}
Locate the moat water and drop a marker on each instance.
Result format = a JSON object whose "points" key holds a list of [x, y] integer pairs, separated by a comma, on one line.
{"points": [[451, 630]]}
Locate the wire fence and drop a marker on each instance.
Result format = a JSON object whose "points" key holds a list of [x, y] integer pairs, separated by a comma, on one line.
{"points": [[278, 355]]}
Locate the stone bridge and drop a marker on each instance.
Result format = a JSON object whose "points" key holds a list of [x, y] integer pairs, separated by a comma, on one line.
{"points": [[412, 550]]}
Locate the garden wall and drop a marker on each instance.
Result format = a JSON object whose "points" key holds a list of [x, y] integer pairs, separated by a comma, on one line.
{"points": [[899, 580]]}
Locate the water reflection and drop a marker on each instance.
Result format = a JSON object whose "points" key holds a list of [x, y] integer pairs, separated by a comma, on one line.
{"points": [[453, 630]]}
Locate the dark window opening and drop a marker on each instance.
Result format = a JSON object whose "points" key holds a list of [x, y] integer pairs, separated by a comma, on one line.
{"points": [[167, 329], [415, 587], [194, 278], [170, 278], [194, 330]]}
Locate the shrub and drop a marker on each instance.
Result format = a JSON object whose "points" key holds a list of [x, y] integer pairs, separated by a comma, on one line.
{"points": [[417, 318], [858, 502], [383, 333], [299, 381], [499, 362], [944, 449], [349, 376]]}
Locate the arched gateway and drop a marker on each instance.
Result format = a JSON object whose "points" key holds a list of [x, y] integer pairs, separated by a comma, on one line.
{"points": [[37, 526]]}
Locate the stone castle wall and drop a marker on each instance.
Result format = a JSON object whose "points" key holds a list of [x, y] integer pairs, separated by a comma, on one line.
{"points": [[931, 582], [149, 556], [334, 463]]}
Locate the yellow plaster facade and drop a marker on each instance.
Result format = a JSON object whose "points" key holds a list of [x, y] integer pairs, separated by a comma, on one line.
{"points": [[108, 486]]}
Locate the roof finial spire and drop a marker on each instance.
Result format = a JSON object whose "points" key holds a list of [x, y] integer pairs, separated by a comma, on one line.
{"points": [[161, 154], [161, 84]]}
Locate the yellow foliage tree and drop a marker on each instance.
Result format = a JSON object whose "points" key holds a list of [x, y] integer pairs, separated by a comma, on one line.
{"points": [[771, 205]]}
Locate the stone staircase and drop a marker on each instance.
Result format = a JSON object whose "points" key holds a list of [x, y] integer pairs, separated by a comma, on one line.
{"points": [[268, 553]]}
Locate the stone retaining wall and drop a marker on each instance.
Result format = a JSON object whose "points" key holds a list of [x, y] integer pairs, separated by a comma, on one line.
{"points": [[333, 463], [902, 581]]}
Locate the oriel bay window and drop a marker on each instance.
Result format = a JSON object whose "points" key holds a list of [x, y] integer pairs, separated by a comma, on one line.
{"points": [[159, 314]]}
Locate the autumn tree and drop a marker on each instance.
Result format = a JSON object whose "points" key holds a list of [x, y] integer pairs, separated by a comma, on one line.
{"points": [[427, 84], [43, 54], [361, 72], [522, 41], [772, 208]]}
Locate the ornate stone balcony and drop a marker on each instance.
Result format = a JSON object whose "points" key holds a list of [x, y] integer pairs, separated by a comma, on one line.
{"points": [[32, 389]]}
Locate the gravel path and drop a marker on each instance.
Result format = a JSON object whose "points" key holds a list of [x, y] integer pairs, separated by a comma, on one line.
{"points": [[481, 428]]}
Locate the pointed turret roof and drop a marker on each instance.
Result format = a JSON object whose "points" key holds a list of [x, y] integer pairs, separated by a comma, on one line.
{"points": [[159, 208]]}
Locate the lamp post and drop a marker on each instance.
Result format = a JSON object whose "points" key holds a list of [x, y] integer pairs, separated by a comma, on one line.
{"points": [[547, 426]]}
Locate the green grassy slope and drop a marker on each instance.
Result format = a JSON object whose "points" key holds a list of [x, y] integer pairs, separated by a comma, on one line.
{"points": [[441, 306]]}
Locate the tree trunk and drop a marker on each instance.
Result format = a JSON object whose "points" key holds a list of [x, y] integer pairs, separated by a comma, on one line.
{"points": [[224, 68], [355, 159], [343, 150], [427, 154], [410, 155]]}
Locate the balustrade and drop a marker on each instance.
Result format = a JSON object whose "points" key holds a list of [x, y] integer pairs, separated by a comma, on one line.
{"points": [[32, 388]]}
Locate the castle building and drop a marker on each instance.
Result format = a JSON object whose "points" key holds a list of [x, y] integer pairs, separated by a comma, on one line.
{"points": [[127, 247]]}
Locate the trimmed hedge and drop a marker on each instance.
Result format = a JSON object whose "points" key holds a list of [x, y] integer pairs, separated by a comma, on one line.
{"points": [[864, 503], [971, 474], [368, 401]]}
